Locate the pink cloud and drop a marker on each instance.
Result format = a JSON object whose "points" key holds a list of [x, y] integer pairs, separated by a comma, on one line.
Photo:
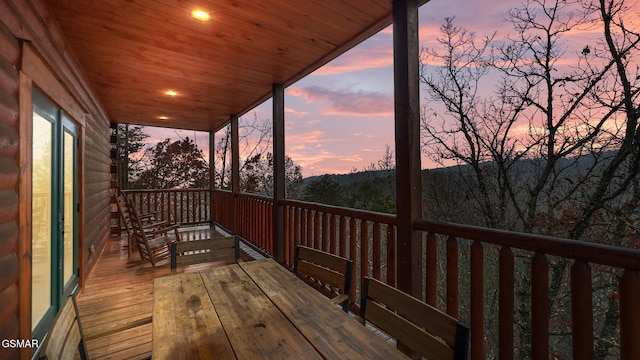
{"points": [[295, 112], [301, 140], [346, 101], [358, 59]]}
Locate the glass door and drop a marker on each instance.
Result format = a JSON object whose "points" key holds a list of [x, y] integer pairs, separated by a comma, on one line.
{"points": [[54, 212]]}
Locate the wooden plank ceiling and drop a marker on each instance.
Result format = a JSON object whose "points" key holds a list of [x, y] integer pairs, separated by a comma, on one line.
{"points": [[134, 51]]}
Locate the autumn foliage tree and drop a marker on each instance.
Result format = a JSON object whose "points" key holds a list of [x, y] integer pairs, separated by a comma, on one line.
{"points": [[173, 164]]}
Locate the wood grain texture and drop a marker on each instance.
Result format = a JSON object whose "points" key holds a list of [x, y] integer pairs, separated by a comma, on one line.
{"points": [[9, 200], [254, 325], [333, 333], [186, 324], [132, 52]]}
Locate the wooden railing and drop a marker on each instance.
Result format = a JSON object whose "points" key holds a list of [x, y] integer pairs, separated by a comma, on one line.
{"points": [[184, 206], [505, 285], [532, 266], [222, 211], [368, 238], [255, 220]]}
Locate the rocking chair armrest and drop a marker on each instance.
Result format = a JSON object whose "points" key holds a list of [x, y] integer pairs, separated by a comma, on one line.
{"points": [[149, 214], [160, 224], [165, 230]]}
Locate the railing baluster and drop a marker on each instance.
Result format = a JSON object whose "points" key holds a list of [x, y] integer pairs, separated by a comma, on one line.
{"points": [[164, 214], [582, 310], [343, 236], [252, 220], [353, 254], [391, 255], [452, 276], [285, 235], [257, 231], [177, 216], [629, 315], [364, 248], [304, 227], [309, 225], [325, 232], [187, 206], [477, 301], [317, 242], [432, 269], [297, 234], [376, 250], [268, 209], [506, 304], [540, 307], [154, 202], [332, 234]]}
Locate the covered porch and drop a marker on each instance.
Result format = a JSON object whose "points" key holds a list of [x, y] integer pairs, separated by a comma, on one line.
{"points": [[108, 63]]}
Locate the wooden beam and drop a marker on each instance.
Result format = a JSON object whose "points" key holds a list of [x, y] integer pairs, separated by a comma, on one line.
{"points": [[235, 173], [407, 128], [278, 172]]}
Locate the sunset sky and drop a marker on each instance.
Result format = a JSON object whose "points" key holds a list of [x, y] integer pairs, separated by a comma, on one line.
{"points": [[340, 117]]}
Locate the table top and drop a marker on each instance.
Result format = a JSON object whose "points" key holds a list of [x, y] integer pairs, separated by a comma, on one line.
{"points": [[256, 309]]}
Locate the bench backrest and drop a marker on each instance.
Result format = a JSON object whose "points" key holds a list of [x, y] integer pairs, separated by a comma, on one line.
{"points": [[65, 336], [422, 328], [326, 270], [207, 250]]}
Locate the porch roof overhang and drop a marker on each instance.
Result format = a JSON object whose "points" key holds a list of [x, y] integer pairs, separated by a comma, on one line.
{"points": [[134, 51]]}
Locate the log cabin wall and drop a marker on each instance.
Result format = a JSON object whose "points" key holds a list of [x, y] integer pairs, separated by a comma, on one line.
{"points": [[34, 54], [9, 201]]}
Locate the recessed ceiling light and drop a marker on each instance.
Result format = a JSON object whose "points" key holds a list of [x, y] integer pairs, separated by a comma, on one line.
{"points": [[163, 117], [200, 15], [171, 93]]}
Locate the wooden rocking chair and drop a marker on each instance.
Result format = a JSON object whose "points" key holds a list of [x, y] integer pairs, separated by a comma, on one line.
{"points": [[152, 239]]}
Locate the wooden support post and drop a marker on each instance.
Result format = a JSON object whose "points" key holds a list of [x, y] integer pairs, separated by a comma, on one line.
{"points": [[278, 172], [629, 315], [407, 129], [235, 173], [212, 174]]}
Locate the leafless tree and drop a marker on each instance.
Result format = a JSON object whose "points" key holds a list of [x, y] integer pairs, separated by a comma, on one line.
{"points": [[546, 128], [256, 165], [254, 138]]}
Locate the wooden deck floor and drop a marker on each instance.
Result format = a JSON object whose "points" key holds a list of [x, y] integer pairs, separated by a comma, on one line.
{"points": [[119, 291]]}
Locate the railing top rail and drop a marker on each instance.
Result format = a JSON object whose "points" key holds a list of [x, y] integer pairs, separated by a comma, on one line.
{"points": [[222, 191], [573, 249], [389, 219], [131, 191], [256, 197]]}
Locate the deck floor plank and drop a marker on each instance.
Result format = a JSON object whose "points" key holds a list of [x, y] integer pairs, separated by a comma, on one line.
{"points": [[119, 291]]}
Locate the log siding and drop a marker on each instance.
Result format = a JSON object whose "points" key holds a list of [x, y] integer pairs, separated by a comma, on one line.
{"points": [[33, 53], [9, 200]]}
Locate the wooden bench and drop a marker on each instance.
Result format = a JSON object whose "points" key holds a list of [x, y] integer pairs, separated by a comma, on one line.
{"points": [[205, 250], [422, 328], [328, 273], [66, 339]]}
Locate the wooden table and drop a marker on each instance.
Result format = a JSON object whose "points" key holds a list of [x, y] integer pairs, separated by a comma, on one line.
{"points": [[253, 310]]}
